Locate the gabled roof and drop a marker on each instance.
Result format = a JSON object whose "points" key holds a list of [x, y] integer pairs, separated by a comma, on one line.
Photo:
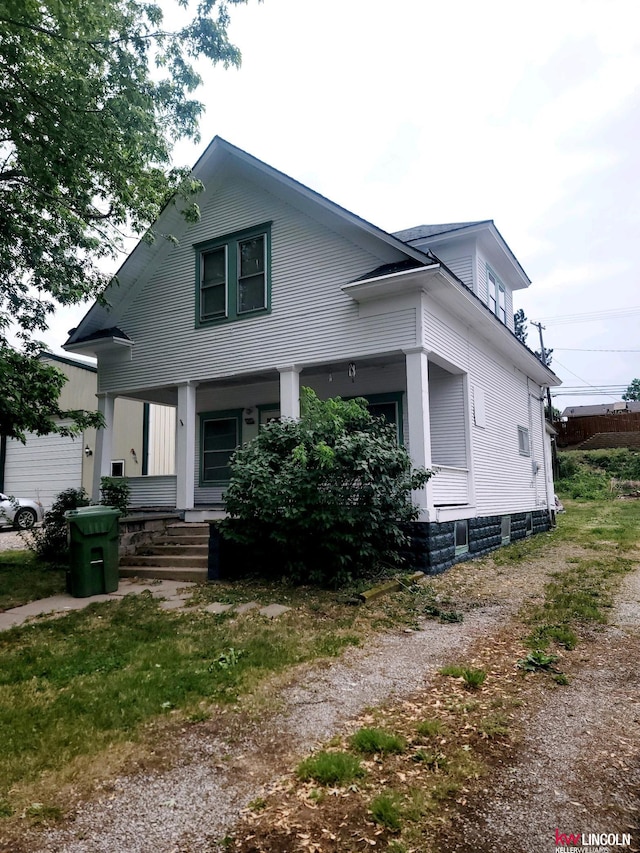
{"points": [[218, 155], [422, 231], [486, 231]]}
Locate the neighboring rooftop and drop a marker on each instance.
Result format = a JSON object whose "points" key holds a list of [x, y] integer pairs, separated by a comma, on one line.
{"points": [[624, 406]]}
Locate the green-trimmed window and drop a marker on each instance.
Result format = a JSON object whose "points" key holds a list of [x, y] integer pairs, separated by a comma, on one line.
{"points": [[220, 435], [233, 276]]}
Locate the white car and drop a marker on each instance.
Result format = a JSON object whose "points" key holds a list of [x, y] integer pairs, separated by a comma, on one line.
{"points": [[20, 513]]}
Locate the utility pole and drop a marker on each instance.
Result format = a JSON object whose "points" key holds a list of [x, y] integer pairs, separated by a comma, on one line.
{"points": [[543, 359]]}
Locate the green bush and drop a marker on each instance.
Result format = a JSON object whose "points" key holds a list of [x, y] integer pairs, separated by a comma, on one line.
{"points": [[587, 474], [50, 540], [115, 491], [324, 497]]}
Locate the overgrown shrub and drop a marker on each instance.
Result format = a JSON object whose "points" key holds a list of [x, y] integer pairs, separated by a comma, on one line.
{"points": [[325, 496], [50, 540], [588, 474], [115, 491]]}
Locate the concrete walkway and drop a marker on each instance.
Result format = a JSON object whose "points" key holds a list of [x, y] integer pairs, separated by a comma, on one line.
{"points": [[175, 595]]}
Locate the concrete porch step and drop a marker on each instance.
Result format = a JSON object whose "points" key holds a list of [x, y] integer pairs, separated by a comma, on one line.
{"points": [[174, 573], [184, 539], [162, 549], [183, 528], [177, 560]]}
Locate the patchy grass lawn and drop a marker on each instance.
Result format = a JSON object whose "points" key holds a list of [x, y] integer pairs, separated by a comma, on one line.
{"points": [[78, 687], [23, 578]]}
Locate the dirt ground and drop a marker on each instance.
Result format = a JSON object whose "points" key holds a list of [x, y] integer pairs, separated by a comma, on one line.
{"points": [[571, 764]]}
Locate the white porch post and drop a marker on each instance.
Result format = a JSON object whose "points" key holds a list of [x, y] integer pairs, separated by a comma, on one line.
{"points": [[417, 367], [289, 391], [185, 445], [104, 444]]}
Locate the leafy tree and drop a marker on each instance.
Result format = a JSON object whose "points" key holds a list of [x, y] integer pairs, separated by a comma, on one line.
{"points": [[29, 398], [520, 325], [94, 94], [327, 495], [633, 391], [546, 357]]}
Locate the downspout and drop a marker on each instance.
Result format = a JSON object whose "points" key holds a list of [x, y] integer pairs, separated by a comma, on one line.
{"points": [[550, 502], [145, 439], [3, 457]]}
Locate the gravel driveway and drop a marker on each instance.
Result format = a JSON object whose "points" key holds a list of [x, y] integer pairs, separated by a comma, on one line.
{"points": [[11, 540], [214, 769]]}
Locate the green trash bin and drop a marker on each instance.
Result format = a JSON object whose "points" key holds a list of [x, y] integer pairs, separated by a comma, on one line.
{"points": [[93, 545]]}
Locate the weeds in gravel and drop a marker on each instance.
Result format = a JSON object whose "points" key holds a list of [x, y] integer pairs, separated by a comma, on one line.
{"points": [[371, 741], [473, 678], [386, 810], [330, 768]]}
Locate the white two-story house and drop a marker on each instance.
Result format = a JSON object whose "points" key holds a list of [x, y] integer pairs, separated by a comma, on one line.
{"points": [[277, 287]]}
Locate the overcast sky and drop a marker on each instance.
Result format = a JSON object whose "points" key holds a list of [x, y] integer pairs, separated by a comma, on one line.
{"points": [[416, 112]]}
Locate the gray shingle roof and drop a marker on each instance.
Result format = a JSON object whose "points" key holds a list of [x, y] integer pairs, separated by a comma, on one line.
{"points": [[419, 232], [601, 409]]}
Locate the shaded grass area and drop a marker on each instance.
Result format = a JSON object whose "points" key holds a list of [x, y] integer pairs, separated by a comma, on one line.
{"points": [[23, 579]]}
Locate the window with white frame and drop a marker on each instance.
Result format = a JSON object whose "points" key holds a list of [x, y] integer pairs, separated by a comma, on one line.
{"points": [[233, 276], [117, 468], [496, 296], [524, 448]]}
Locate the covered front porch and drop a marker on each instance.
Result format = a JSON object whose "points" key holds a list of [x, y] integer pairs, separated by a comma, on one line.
{"points": [[425, 397]]}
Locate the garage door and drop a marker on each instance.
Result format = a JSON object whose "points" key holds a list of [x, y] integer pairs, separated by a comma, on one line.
{"points": [[43, 467]]}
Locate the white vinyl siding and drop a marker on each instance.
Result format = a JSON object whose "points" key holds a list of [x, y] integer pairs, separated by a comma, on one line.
{"points": [[152, 491], [311, 318], [162, 440], [503, 481], [448, 429], [463, 269]]}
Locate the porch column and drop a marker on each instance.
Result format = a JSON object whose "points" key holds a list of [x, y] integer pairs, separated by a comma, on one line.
{"points": [[417, 367], [104, 444], [290, 391], [185, 445]]}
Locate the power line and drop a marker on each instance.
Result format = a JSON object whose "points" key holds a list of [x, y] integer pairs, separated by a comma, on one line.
{"points": [[591, 316], [575, 349]]}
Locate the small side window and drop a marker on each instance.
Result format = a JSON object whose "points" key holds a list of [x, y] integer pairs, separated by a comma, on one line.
{"points": [[117, 468], [523, 441], [461, 537]]}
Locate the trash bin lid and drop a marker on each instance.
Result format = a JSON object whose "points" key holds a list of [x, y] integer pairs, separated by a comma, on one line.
{"points": [[92, 510]]}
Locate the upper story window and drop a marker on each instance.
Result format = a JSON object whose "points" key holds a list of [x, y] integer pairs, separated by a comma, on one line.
{"points": [[234, 276], [497, 296]]}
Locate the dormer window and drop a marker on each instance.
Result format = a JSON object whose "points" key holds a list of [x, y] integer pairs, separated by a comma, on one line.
{"points": [[497, 297], [233, 276]]}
